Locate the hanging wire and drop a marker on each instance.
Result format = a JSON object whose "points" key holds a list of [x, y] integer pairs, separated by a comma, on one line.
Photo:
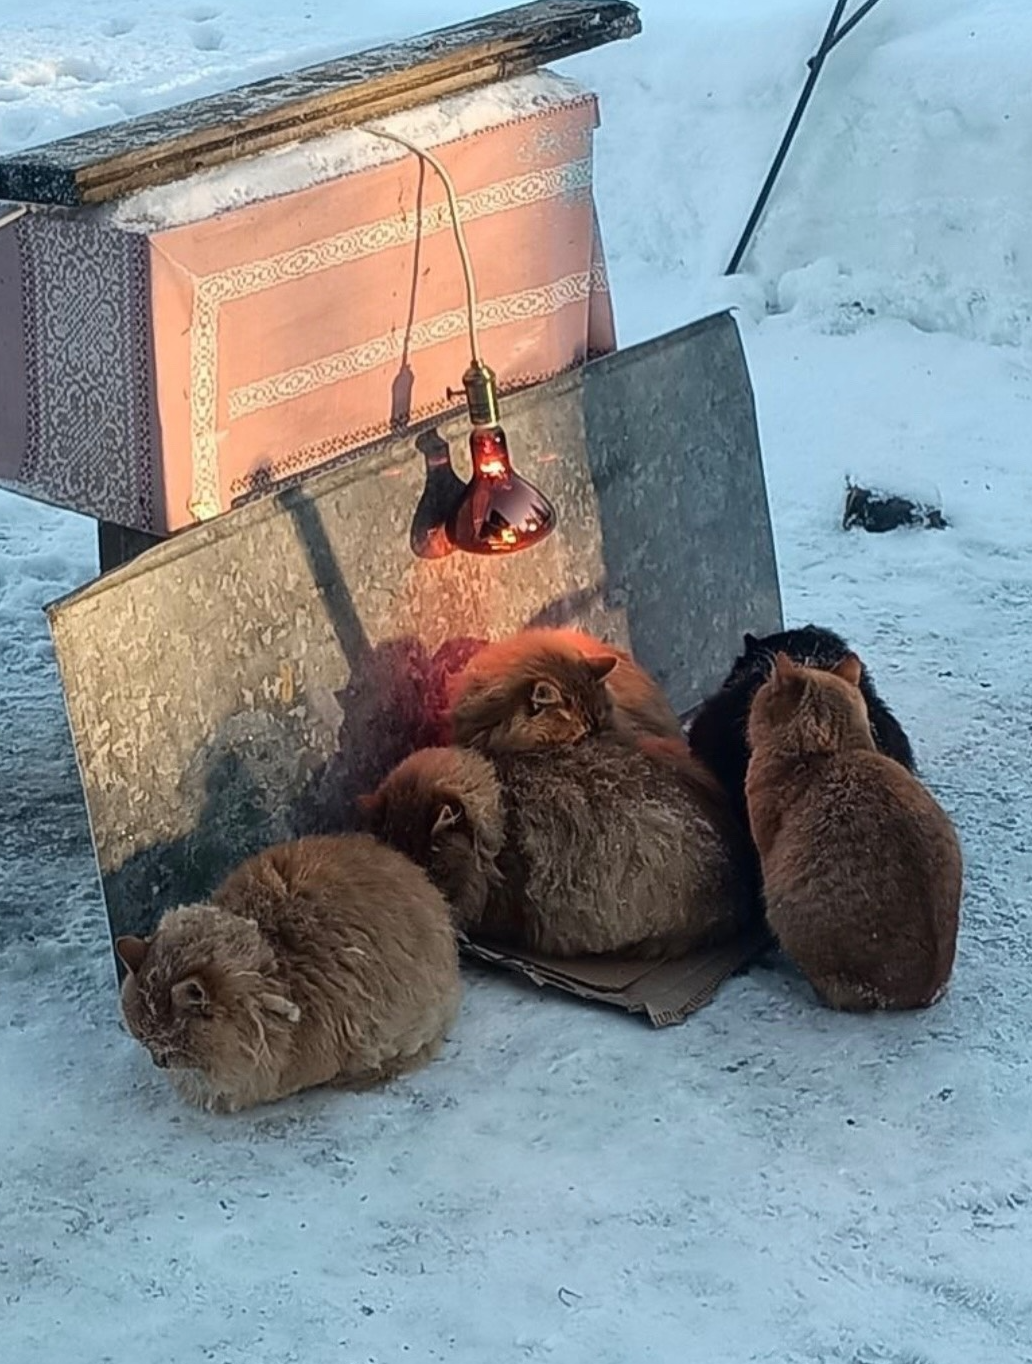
{"points": [[460, 236]]}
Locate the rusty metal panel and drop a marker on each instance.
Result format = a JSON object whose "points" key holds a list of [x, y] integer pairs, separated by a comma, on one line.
{"points": [[243, 681]]}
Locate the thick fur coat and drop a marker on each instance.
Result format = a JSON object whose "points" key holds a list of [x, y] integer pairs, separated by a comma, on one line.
{"points": [[718, 731], [326, 960], [586, 848], [861, 867], [544, 687]]}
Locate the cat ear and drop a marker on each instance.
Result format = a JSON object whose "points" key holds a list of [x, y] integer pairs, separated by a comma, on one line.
{"points": [[849, 670], [450, 814], [546, 694], [190, 995], [132, 951], [784, 668], [750, 642], [283, 1007], [785, 674], [603, 666]]}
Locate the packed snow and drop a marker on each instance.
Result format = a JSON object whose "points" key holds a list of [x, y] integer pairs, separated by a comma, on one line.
{"points": [[771, 1181], [298, 165]]}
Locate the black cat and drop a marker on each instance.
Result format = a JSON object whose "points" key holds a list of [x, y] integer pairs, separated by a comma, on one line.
{"points": [[717, 732]]}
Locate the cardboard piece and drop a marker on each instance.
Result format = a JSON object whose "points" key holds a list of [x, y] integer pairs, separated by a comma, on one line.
{"points": [[665, 992]]}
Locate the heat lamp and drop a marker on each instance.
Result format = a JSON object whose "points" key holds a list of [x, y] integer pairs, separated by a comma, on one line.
{"points": [[499, 511]]}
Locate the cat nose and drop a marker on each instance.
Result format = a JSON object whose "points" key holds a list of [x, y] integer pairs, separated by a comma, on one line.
{"points": [[160, 1058]]}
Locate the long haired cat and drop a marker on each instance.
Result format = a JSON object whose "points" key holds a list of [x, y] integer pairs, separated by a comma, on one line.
{"points": [[862, 868], [584, 848], [718, 731], [544, 687], [325, 960]]}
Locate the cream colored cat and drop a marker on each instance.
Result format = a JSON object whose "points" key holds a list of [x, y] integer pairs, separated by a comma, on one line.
{"points": [[330, 960]]}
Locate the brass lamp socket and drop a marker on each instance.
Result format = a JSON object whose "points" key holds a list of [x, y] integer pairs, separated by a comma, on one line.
{"points": [[481, 394]]}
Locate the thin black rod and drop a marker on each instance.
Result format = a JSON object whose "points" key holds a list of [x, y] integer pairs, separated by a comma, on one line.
{"points": [[832, 35], [852, 22]]}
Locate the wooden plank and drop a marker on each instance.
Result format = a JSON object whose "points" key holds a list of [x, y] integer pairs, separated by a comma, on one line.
{"points": [[154, 149]]}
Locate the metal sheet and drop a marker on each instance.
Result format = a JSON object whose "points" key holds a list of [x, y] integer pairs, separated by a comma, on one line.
{"points": [[242, 682]]}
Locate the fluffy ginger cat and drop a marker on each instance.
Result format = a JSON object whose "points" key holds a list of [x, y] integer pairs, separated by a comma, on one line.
{"points": [[861, 867], [544, 687], [327, 960], [587, 848]]}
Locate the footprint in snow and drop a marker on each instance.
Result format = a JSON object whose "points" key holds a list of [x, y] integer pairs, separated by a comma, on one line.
{"points": [[36, 75], [207, 39], [118, 28], [80, 69]]}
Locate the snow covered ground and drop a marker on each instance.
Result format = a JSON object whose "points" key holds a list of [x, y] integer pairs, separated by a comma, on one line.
{"points": [[770, 1182]]}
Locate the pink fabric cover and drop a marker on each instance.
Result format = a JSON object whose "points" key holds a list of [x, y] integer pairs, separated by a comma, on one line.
{"points": [[150, 380]]}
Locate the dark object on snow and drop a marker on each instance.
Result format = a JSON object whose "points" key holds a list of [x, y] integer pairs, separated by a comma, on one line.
{"points": [[241, 682], [879, 512], [718, 730], [153, 149], [832, 35]]}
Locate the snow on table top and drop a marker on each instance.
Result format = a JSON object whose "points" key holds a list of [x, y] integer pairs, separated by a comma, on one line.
{"points": [[299, 165], [771, 1182]]}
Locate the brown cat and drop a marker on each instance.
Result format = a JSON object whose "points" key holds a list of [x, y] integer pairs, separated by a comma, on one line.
{"points": [[326, 960], [592, 847], [861, 867], [544, 687]]}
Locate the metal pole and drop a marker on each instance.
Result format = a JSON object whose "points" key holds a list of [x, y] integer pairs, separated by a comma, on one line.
{"points": [[832, 35], [852, 22]]}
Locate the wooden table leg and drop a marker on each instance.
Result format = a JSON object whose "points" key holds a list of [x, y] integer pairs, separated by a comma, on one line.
{"points": [[119, 544]]}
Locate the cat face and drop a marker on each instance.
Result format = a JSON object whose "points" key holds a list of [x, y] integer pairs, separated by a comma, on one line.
{"points": [[549, 696], [810, 709], [200, 994], [442, 808]]}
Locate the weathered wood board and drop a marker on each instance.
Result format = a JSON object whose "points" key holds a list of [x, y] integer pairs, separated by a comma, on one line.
{"points": [[154, 149]]}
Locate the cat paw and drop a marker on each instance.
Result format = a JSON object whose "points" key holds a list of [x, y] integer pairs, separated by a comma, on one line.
{"points": [[192, 1087], [221, 1103], [848, 995]]}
